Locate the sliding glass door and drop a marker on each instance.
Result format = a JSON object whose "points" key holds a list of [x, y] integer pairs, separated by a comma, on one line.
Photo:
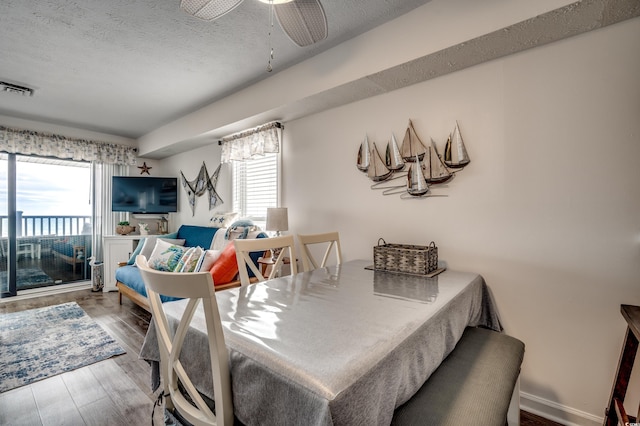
{"points": [[46, 220]]}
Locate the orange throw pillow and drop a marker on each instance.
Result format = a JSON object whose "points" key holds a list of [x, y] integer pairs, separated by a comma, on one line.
{"points": [[225, 269]]}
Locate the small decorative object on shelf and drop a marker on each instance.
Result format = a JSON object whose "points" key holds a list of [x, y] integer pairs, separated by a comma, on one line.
{"points": [[144, 228], [124, 228], [406, 258], [163, 226]]}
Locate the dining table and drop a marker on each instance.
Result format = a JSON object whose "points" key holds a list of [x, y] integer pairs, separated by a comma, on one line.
{"points": [[340, 345]]}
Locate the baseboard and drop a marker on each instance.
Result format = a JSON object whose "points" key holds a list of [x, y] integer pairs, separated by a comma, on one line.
{"points": [[557, 412], [48, 290]]}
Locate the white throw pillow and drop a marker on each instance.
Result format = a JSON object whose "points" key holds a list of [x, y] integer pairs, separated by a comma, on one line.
{"points": [[150, 244], [166, 256], [209, 258], [223, 220]]}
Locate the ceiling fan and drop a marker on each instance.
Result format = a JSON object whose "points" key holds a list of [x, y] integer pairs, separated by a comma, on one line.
{"points": [[304, 21]]}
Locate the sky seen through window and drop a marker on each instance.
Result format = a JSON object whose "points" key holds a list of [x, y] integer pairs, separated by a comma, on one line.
{"points": [[48, 189]]}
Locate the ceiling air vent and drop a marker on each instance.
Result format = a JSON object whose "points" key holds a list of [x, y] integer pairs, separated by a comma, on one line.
{"points": [[14, 88]]}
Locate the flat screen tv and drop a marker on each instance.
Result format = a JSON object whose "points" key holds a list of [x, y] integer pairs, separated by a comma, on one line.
{"points": [[137, 194]]}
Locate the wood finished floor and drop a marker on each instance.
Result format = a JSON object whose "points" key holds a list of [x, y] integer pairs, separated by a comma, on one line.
{"points": [[111, 392]]}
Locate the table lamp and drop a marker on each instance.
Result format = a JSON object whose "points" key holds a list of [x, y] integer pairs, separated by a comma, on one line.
{"points": [[277, 220]]}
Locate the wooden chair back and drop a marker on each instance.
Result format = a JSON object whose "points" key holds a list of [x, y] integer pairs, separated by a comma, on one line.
{"points": [[196, 287], [308, 261], [246, 246]]}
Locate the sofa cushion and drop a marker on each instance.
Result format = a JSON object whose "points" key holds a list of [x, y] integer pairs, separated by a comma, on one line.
{"points": [[150, 244], [197, 236], [141, 246], [222, 220], [191, 258], [130, 276], [210, 257], [166, 256], [225, 268]]}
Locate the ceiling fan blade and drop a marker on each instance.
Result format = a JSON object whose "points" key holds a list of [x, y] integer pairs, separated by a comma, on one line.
{"points": [[303, 21], [208, 10]]}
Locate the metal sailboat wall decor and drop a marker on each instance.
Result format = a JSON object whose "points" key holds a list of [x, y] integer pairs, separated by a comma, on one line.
{"points": [[412, 146], [378, 170], [393, 159], [455, 153], [426, 166], [434, 169], [364, 156], [416, 183]]}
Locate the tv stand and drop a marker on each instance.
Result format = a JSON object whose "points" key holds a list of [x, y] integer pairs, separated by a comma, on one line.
{"points": [[117, 249]]}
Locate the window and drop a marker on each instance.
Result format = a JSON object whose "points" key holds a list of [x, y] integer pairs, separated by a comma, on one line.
{"points": [[50, 239], [255, 186]]}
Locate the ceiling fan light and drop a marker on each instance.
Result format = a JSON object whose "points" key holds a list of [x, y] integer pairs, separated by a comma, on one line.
{"points": [[208, 10]]}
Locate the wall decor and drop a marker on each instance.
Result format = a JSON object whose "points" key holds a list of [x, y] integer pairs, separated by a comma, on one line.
{"points": [[201, 184], [420, 165], [144, 168]]}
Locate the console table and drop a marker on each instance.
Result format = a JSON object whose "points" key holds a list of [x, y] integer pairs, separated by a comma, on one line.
{"points": [[615, 409]]}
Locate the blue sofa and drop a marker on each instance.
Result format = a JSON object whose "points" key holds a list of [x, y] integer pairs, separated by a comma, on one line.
{"points": [[130, 283]]}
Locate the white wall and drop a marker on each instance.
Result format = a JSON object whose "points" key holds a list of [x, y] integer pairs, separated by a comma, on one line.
{"points": [[189, 163], [548, 211]]}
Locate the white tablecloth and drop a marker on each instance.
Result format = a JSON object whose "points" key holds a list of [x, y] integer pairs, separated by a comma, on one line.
{"points": [[336, 346]]}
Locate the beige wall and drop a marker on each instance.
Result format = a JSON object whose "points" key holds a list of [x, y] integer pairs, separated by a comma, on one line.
{"points": [[189, 163], [548, 210]]}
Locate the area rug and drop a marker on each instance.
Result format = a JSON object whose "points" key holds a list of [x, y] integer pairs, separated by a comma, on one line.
{"points": [[28, 278], [41, 343]]}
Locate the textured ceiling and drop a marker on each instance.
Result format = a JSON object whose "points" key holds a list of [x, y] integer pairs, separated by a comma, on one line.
{"points": [[125, 67], [128, 68], [556, 24]]}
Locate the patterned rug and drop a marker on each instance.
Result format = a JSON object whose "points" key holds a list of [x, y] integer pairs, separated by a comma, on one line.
{"points": [[41, 343], [28, 278]]}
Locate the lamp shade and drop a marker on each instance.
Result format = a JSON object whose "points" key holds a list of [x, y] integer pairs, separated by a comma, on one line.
{"points": [[277, 219]]}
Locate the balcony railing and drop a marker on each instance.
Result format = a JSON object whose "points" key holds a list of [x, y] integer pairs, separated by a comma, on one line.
{"points": [[30, 226]]}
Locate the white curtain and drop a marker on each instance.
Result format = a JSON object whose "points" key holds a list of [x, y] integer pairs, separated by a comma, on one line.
{"points": [[105, 219], [27, 142], [107, 160], [252, 143]]}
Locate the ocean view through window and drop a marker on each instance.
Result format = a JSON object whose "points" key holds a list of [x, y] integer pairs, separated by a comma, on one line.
{"points": [[53, 219], [47, 188]]}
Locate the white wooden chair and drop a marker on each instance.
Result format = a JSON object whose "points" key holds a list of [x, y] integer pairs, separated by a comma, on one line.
{"points": [[196, 286], [246, 246], [26, 248], [308, 261]]}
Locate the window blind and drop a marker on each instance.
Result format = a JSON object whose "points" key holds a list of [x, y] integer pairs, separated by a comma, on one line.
{"points": [[255, 186]]}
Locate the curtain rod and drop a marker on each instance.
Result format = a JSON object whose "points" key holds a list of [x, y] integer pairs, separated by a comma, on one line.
{"points": [[250, 132]]}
